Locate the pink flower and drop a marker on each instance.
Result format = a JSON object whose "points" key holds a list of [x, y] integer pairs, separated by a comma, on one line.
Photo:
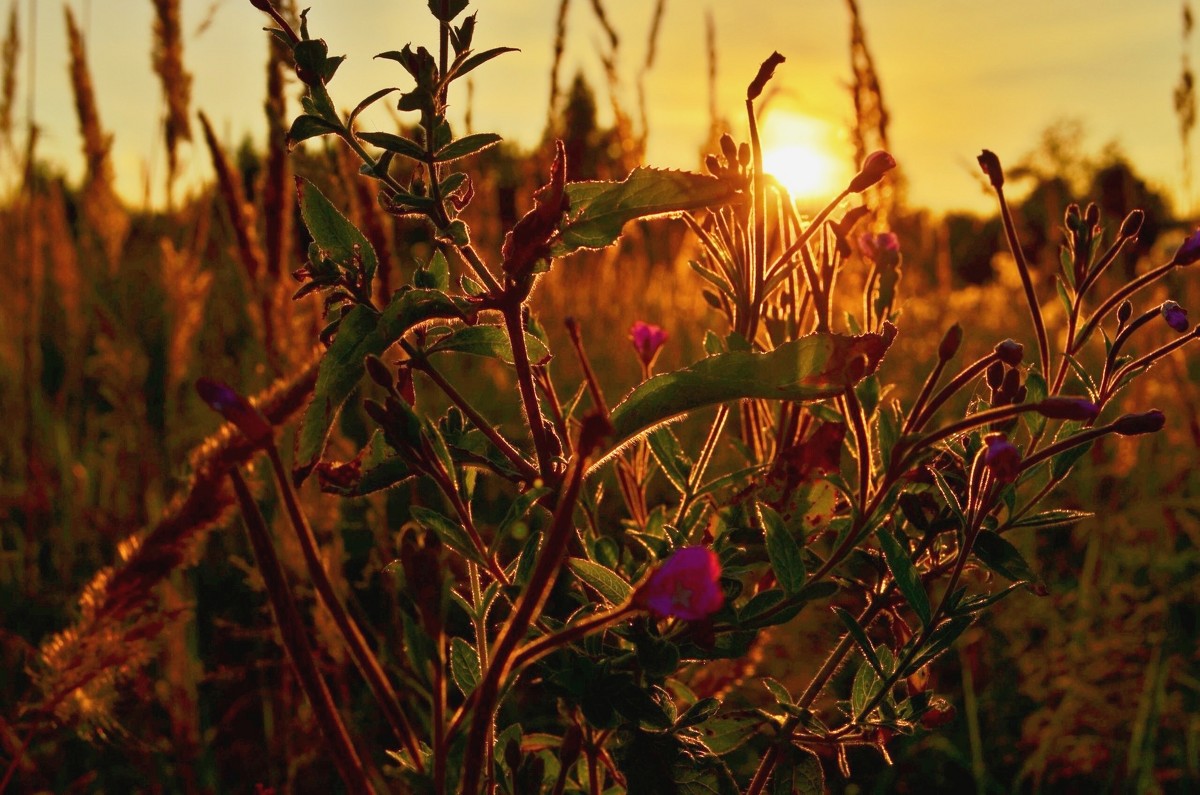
{"points": [[647, 341], [1189, 251], [687, 585], [882, 248]]}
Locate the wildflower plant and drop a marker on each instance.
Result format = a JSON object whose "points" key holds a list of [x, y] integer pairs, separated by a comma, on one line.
{"points": [[564, 658]]}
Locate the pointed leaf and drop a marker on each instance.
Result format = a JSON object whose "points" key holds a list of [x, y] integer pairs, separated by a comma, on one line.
{"points": [[599, 210], [602, 579], [466, 146], [450, 532], [860, 639], [306, 126], [810, 368], [491, 341], [1006, 560], [464, 665], [908, 580], [786, 556], [337, 238], [394, 143], [479, 59]]}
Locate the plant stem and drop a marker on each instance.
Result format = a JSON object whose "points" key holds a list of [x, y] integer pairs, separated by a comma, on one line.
{"points": [[529, 400], [1035, 309], [291, 629]]}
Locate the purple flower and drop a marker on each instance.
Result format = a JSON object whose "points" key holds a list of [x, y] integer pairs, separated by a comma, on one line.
{"points": [[1175, 315], [882, 248], [647, 341], [873, 168], [687, 585], [1002, 458], [1189, 252]]}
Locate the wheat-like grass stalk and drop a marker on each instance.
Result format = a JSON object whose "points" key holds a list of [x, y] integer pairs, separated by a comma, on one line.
{"points": [[187, 286], [79, 669], [9, 51], [176, 82], [101, 207], [278, 198]]}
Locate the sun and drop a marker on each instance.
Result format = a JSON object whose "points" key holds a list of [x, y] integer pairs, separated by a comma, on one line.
{"points": [[803, 153]]}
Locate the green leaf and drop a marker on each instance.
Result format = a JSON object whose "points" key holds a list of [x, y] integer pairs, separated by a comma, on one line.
{"points": [[599, 210], [394, 143], [464, 665], [726, 733], [490, 341], [939, 641], [381, 469], [777, 690], [601, 579], [860, 639], [466, 146], [811, 368], [306, 126], [669, 455], [799, 773], [450, 533], [1006, 560], [333, 233], [698, 713], [479, 59], [908, 580], [786, 556], [1058, 517], [518, 508]]}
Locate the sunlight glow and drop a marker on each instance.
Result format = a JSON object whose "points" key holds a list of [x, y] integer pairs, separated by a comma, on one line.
{"points": [[804, 154]]}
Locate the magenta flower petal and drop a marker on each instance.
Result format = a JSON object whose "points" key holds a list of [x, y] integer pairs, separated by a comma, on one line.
{"points": [[1189, 251], [647, 340], [1175, 315], [687, 585]]}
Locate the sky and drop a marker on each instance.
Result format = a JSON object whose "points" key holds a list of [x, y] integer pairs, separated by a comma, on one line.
{"points": [[957, 76]]}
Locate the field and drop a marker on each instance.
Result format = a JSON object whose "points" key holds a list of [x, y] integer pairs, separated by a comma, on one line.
{"points": [[410, 460]]}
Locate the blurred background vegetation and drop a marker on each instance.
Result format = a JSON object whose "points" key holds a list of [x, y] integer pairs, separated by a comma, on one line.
{"points": [[136, 647]]}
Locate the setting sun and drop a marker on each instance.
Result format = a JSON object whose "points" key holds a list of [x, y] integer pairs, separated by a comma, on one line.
{"points": [[804, 154]]}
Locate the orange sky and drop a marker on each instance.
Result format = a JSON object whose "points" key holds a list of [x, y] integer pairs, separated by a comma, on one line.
{"points": [[958, 75]]}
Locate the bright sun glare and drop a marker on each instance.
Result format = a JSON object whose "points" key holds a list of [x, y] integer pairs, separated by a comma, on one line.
{"points": [[801, 152]]}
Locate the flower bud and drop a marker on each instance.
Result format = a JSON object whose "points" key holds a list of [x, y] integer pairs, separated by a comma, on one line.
{"points": [[1132, 224], [1012, 380], [991, 166], [729, 149], [1136, 424], [873, 168], [995, 375], [713, 165], [1189, 251], [1068, 408], [1175, 315], [224, 400], [687, 585], [1091, 215], [1124, 311], [1002, 458], [950, 343], [1071, 218], [261, 5], [1010, 352]]}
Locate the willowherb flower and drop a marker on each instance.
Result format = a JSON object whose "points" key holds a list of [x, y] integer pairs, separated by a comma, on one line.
{"points": [[1002, 458], [647, 340], [1175, 315], [882, 248], [1189, 251], [1010, 352], [874, 166], [687, 585]]}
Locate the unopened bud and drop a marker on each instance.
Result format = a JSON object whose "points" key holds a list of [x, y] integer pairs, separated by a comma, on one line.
{"points": [[1091, 215], [1136, 424], [995, 375], [744, 154], [1010, 352], [1071, 218], [729, 149], [261, 5], [1175, 315], [991, 166], [1002, 458], [713, 165], [1068, 408], [1132, 224], [950, 343], [873, 168], [1124, 311], [1012, 380], [1189, 251], [227, 402]]}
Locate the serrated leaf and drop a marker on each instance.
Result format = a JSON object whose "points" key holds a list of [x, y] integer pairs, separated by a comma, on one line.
{"points": [[785, 555], [1006, 560], [908, 580], [799, 772], [450, 532], [599, 210], [464, 665], [306, 126], [394, 143], [726, 733], [485, 340], [333, 233], [810, 368], [601, 579], [466, 146]]}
